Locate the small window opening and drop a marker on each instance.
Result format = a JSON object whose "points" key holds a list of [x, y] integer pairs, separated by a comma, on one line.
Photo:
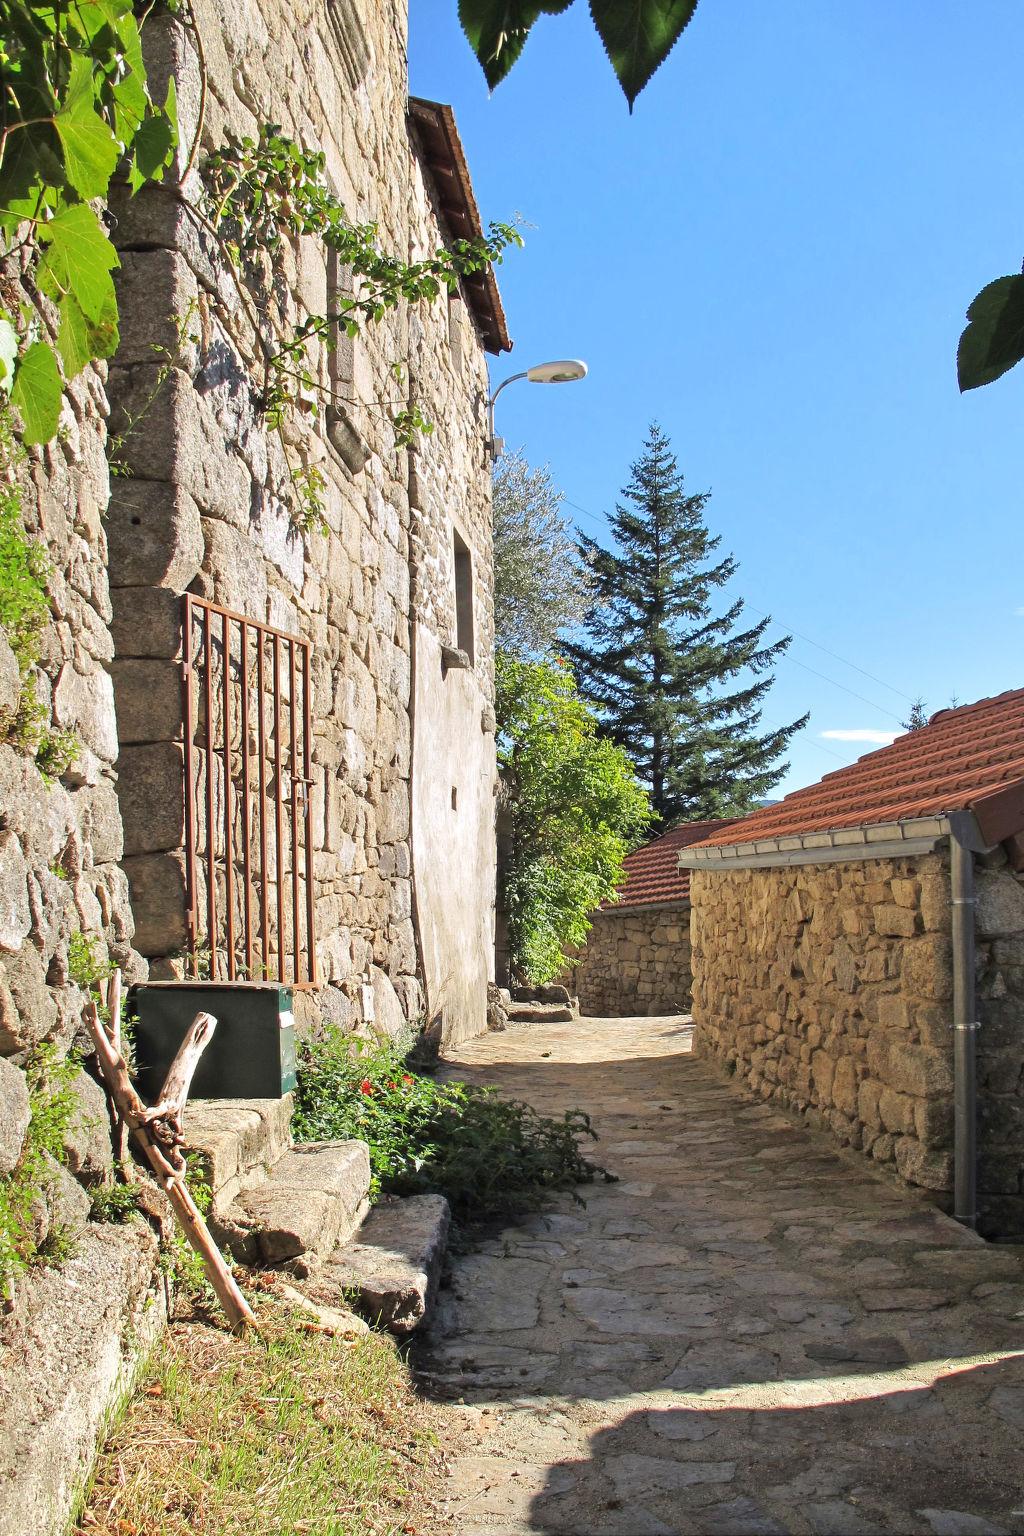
{"points": [[455, 797], [463, 596]]}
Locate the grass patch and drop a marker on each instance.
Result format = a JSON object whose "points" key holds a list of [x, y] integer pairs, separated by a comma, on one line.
{"points": [[292, 1432], [491, 1157], [52, 1104]]}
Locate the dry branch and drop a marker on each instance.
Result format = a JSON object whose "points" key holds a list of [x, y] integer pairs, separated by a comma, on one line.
{"points": [[158, 1132]]}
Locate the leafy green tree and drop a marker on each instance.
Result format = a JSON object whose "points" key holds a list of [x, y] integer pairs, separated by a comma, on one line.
{"points": [[575, 808], [541, 585], [658, 663]]}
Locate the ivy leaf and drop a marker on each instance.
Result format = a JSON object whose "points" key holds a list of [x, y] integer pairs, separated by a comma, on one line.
{"points": [[8, 354], [497, 30], [80, 339], [78, 260], [639, 35], [38, 393], [993, 340], [90, 150]]}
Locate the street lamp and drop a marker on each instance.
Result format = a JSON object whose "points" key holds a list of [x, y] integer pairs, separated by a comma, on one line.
{"points": [[564, 371]]}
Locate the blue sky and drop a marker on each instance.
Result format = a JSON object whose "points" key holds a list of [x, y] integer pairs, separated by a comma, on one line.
{"points": [[772, 257]]}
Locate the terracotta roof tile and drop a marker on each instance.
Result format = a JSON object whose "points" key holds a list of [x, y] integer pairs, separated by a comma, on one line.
{"points": [[653, 876], [970, 758]]}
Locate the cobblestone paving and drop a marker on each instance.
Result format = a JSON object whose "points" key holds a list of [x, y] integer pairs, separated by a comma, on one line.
{"points": [[749, 1333]]}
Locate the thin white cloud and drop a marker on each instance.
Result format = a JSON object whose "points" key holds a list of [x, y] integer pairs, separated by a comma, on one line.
{"points": [[1019, 612], [877, 738]]}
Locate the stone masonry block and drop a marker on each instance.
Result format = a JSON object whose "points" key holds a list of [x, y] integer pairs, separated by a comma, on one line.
{"points": [[150, 789], [155, 536], [147, 621], [14, 1114], [158, 890], [1000, 909], [149, 700]]}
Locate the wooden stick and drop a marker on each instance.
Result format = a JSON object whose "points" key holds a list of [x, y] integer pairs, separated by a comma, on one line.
{"points": [[110, 997], [174, 1093], [160, 1139]]}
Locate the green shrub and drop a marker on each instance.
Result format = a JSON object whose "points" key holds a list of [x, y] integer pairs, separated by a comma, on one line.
{"points": [[491, 1157], [53, 1103]]}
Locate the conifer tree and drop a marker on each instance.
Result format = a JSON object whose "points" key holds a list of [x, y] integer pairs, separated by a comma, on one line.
{"points": [[677, 685]]}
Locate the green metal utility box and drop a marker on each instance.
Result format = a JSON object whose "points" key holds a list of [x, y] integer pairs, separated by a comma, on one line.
{"points": [[252, 1053]]}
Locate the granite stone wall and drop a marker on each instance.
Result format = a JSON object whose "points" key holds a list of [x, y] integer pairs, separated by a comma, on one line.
{"points": [[634, 962], [828, 989], [1000, 957], [72, 1325], [203, 507]]}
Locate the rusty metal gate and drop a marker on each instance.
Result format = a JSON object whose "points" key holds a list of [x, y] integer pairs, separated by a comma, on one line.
{"points": [[248, 775]]}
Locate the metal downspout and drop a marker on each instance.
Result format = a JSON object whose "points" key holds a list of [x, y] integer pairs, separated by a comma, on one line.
{"points": [[965, 1030]]}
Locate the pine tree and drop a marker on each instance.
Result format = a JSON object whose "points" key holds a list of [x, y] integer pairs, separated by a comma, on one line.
{"points": [[918, 717], [661, 667]]}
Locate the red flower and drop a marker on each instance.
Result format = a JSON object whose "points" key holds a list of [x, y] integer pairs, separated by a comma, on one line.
{"points": [[406, 1078], [366, 1086], [393, 1087]]}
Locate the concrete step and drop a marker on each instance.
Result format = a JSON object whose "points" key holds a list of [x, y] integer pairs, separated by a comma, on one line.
{"points": [[235, 1142], [393, 1262], [313, 1198]]}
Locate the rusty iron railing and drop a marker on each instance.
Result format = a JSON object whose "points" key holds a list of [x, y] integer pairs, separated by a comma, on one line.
{"points": [[248, 814]]}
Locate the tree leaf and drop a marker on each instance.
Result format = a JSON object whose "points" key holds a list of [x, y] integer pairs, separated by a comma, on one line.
{"points": [[79, 259], [91, 152], [639, 35], [497, 30], [993, 340], [8, 354], [38, 392]]}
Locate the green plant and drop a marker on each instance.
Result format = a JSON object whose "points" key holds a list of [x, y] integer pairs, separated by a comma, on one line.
{"points": [[575, 810], [541, 583], [88, 961], [52, 1105], [75, 102], [113, 1201], [489, 1156]]}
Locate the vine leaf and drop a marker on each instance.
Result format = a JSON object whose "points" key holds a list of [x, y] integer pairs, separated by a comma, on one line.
{"points": [[38, 393], [639, 35], [993, 340], [8, 354], [79, 260], [497, 30], [91, 152], [155, 142]]}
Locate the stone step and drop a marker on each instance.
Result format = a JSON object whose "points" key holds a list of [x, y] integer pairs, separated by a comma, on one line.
{"points": [[235, 1142], [541, 1013], [313, 1198], [393, 1262]]}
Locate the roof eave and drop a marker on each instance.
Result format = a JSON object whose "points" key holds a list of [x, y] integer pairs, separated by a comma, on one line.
{"points": [[444, 158], [877, 840]]}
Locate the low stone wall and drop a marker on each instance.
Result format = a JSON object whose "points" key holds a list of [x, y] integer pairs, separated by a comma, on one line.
{"points": [[635, 962], [1000, 971], [828, 989]]}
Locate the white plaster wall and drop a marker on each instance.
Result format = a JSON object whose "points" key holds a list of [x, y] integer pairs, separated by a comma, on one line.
{"points": [[453, 848]]}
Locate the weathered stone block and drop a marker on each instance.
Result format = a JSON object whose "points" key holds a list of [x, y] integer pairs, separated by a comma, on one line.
{"points": [[1000, 909], [15, 912], [155, 536], [87, 1148], [919, 1165], [14, 1114], [149, 700], [83, 702], [151, 793], [10, 684], [158, 892], [146, 622], [895, 921]]}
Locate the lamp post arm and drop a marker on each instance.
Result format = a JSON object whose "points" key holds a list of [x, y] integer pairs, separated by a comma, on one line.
{"points": [[490, 404]]}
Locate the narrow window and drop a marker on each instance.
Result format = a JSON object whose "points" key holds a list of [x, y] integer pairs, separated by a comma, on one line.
{"points": [[463, 596]]}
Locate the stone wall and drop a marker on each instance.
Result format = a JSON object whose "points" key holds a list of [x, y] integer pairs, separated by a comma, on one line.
{"points": [[68, 1334], [634, 962], [202, 507], [1000, 957], [828, 989]]}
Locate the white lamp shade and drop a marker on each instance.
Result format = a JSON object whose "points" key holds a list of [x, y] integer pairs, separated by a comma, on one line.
{"points": [[565, 371]]}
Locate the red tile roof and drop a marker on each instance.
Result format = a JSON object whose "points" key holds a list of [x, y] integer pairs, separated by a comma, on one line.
{"points": [[653, 877], [971, 758]]}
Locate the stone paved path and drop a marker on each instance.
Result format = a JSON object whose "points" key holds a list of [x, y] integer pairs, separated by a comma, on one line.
{"points": [[749, 1333]]}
